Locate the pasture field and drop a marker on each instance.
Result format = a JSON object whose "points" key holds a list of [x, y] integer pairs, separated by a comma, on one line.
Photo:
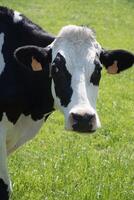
{"points": [[60, 165]]}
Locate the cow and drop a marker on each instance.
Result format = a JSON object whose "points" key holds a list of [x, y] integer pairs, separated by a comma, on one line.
{"points": [[40, 73]]}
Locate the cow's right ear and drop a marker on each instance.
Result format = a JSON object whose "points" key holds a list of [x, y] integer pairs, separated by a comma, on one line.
{"points": [[117, 60], [33, 58]]}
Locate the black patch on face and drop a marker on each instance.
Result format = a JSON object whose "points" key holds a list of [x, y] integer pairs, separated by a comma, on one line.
{"points": [[62, 80], [96, 75], [4, 194]]}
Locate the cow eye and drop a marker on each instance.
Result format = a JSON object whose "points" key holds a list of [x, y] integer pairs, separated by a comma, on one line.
{"points": [[98, 66], [96, 75], [54, 68], [98, 70]]}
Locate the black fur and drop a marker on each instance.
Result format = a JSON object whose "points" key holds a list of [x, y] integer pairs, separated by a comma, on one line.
{"points": [[22, 91], [124, 59], [96, 76], [62, 80], [4, 194], [82, 123], [24, 55]]}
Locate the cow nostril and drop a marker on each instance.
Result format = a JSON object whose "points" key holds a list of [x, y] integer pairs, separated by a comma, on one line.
{"points": [[88, 117], [82, 123], [76, 117]]}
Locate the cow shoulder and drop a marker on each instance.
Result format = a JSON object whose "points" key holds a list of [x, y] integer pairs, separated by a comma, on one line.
{"points": [[21, 91]]}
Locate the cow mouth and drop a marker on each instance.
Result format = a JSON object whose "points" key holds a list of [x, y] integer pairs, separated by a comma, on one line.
{"points": [[82, 128], [78, 124], [77, 130]]}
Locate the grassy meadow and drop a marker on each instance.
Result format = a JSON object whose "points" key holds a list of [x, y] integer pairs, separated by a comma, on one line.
{"points": [[60, 165]]}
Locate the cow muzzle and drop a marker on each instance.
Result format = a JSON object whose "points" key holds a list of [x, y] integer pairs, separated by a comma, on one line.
{"points": [[83, 121]]}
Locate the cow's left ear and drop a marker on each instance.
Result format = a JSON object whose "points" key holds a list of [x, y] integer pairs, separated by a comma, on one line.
{"points": [[116, 61], [33, 58]]}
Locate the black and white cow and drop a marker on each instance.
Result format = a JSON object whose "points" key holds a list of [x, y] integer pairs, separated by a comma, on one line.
{"points": [[62, 72]]}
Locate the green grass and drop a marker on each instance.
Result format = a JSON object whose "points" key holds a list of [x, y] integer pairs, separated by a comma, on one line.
{"points": [[60, 165]]}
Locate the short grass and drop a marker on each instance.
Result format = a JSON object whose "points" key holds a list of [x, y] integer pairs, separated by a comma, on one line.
{"points": [[60, 165]]}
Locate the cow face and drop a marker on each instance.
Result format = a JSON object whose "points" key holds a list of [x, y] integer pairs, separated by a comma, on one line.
{"points": [[75, 62], [76, 72]]}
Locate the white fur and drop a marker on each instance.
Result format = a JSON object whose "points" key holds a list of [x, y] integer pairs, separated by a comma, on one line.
{"points": [[17, 17], [3, 158], [12, 137], [79, 47], [2, 62], [76, 33], [24, 130]]}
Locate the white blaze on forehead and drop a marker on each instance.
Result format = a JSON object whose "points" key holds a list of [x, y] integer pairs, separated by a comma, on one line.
{"points": [[73, 35], [17, 16], [76, 33], [73, 42], [2, 63]]}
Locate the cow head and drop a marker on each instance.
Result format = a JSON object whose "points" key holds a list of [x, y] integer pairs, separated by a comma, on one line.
{"points": [[75, 62]]}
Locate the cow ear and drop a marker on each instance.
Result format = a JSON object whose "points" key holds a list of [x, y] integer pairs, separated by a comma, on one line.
{"points": [[116, 61], [33, 58]]}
